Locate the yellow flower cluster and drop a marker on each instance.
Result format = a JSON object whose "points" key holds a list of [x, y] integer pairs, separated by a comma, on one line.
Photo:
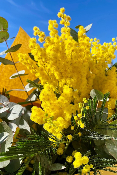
{"points": [[61, 148], [75, 68], [86, 168], [69, 159], [79, 160], [69, 137], [40, 34]]}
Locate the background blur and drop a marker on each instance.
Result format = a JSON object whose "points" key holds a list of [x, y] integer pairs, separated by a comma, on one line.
{"points": [[30, 13]]}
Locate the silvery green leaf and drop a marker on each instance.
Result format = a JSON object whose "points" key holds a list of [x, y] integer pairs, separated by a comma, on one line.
{"points": [[111, 146], [87, 28], [7, 143], [2, 53], [4, 163], [104, 115], [20, 72], [11, 38], [13, 126], [32, 96], [30, 86], [3, 99], [56, 166], [16, 90], [3, 109], [15, 112], [24, 125], [3, 136], [97, 93]]}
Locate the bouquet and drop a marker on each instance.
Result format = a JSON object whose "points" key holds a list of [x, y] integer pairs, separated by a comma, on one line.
{"points": [[74, 130]]}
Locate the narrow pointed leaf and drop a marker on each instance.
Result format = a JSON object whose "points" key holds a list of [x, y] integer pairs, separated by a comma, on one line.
{"points": [[3, 24], [31, 56], [87, 28], [77, 27], [74, 34], [3, 36], [5, 61], [14, 48], [31, 85], [17, 74], [11, 38], [15, 90], [2, 53], [3, 136], [26, 102]]}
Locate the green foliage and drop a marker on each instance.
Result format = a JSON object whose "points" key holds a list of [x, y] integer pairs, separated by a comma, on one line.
{"points": [[31, 56], [14, 48], [3, 36], [74, 34], [3, 24], [77, 27], [97, 93], [6, 62], [87, 28]]}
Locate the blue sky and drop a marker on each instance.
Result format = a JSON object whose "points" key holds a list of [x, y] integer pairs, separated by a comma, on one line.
{"points": [[30, 13]]}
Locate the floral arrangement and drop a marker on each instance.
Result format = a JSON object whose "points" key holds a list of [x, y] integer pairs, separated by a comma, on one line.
{"points": [[74, 130]]}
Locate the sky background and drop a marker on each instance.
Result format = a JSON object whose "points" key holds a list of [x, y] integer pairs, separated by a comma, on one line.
{"points": [[30, 13]]}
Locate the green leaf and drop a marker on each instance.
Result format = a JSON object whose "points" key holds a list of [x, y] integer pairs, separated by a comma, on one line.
{"points": [[3, 24], [111, 146], [3, 99], [87, 28], [5, 145], [5, 61], [14, 48], [11, 38], [31, 85], [3, 36], [56, 167], [15, 90], [13, 166], [74, 34], [4, 163], [15, 76], [24, 125], [20, 73], [3, 136], [26, 102], [32, 96], [77, 27], [2, 53], [31, 56], [101, 149], [97, 93], [15, 112]]}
